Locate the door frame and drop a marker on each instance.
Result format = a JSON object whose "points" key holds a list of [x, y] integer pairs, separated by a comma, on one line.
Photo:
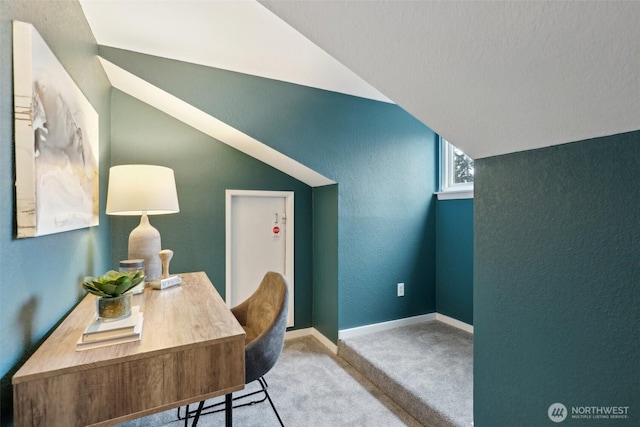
{"points": [[289, 240]]}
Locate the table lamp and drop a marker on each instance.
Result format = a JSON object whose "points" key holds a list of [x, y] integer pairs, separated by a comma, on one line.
{"points": [[143, 190]]}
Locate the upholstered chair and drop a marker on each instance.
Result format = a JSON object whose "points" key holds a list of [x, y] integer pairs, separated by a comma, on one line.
{"points": [[263, 316]]}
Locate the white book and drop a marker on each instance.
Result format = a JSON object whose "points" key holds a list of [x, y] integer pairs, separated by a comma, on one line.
{"points": [[99, 329], [135, 336], [113, 333]]}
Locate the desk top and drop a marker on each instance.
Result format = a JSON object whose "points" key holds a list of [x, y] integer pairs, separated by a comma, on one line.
{"points": [[179, 318]]}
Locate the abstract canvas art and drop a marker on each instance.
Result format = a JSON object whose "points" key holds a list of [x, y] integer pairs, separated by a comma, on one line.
{"points": [[56, 142]]}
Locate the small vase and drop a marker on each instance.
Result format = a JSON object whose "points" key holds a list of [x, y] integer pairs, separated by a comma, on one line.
{"points": [[113, 308]]}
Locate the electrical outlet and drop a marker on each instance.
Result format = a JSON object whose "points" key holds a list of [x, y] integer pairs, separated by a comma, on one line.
{"points": [[400, 289]]}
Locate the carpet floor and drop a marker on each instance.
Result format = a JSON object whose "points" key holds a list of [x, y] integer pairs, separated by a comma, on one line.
{"points": [[419, 375], [427, 368]]}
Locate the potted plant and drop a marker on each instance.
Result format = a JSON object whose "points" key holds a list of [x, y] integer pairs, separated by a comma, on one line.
{"points": [[113, 302]]}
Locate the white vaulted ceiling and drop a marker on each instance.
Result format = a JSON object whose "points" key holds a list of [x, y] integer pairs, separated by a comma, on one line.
{"points": [[492, 77], [240, 36]]}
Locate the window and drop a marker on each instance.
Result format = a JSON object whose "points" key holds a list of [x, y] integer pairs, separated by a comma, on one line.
{"points": [[457, 173]]}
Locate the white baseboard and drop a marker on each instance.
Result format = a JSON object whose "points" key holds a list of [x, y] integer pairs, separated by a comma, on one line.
{"points": [[314, 333], [454, 322], [377, 327]]}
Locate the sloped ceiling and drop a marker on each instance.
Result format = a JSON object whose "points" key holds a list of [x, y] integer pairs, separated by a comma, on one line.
{"points": [[205, 123], [492, 77], [241, 36]]}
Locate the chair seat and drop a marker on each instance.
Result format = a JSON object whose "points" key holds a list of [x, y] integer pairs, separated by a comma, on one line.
{"points": [[251, 334]]}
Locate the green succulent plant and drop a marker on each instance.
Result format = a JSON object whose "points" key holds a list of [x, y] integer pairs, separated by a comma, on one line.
{"points": [[113, 283]]}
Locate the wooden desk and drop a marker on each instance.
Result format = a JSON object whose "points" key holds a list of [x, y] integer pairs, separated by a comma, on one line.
{"points": [[192, 349]]}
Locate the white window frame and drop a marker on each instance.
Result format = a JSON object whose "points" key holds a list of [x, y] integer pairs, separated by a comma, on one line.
{"points": [[448, 188]]}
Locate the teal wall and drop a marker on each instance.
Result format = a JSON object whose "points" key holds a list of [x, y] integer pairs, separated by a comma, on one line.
{"points": [[40, 277], [383, 159], [325, 261], [454, 259], [354, 240], [556, 292], [204, 168]]}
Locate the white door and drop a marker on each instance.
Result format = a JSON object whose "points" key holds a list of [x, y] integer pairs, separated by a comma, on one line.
{"points": [[259, 238]]}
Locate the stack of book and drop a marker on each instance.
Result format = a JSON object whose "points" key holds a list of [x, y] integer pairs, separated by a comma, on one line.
{"points": [[100, 333]]}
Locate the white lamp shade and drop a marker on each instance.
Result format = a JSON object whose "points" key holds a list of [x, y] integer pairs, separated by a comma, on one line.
{"points": [[134, 189]]}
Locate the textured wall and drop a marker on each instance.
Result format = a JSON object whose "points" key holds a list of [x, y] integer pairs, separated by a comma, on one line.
{"points": [[204, 169], [383, 159], [40, 277], [325, 260], [387, 217], [454, 259], [556, 292]]}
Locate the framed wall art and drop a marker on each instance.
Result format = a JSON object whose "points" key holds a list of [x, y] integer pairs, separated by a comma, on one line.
{"points": [[56, 142]]}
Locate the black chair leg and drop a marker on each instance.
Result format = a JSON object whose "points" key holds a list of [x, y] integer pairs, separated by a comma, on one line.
{"points": [[186, 419], [274, 407], [197, 416], [203, 410]]}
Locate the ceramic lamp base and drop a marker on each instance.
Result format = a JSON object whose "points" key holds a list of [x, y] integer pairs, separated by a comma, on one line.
{"points": [[144, 243]]}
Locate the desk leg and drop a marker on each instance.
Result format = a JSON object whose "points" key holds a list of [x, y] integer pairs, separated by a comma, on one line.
{"points": [[228, 410]]}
